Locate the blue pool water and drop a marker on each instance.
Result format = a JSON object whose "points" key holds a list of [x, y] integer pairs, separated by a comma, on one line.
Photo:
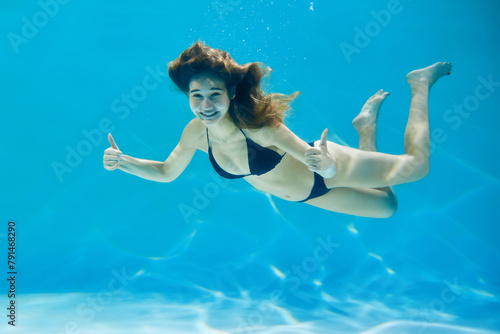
{"points": [[106, 252]]}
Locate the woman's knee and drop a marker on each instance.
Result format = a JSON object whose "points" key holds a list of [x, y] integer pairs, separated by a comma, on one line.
{"points": [[391, 204], [412, 169], [387, 206]]}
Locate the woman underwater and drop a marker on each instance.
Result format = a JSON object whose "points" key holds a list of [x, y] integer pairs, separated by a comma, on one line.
{"points": [[242, 130]]}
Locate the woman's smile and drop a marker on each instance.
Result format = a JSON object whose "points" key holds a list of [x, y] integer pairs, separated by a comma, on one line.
{"points": [[209, 115]]}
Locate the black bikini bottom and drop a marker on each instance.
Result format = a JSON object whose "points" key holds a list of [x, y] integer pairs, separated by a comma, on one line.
{"points": [[319, 188]]}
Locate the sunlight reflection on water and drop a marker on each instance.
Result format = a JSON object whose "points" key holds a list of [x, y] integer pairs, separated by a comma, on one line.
{"points": [[152, 313]]}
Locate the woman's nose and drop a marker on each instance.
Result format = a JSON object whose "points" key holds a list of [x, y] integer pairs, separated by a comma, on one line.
{"points": [[206, 104]]}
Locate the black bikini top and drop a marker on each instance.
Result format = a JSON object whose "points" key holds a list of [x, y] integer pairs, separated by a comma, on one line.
{"points": [[260, 159]]}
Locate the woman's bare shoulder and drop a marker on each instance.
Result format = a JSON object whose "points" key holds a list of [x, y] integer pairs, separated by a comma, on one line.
{"points": [[194, 135], [270, 134]]}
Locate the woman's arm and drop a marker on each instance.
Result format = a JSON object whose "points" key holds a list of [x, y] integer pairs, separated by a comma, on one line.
{"points": [[166, 171], [286, 140]]}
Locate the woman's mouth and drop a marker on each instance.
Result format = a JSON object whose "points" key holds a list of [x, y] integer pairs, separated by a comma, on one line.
{"points": [[209, 115]]}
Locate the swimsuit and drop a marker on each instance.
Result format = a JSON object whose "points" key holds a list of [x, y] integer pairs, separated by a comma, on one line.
{"points": [[262, 160], [319, 187]]}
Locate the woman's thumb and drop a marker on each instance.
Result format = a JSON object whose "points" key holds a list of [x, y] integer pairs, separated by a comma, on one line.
{"points": [[323, 138], [112, 142]]}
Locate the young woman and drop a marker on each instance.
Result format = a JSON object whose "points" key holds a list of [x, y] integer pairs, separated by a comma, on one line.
{"points": [[242, 130]]}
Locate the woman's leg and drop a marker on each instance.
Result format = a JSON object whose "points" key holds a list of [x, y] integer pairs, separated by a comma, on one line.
{"points": [[366, 122], [417, 139], [366, 126], [357, 168], [375, 203]]}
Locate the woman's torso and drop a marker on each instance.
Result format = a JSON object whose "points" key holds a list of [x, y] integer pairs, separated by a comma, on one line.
{"points": [[290, 179]]}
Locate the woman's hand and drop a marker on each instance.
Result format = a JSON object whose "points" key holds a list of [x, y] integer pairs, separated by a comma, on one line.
{"points": [[112, 155], [319, 160]]}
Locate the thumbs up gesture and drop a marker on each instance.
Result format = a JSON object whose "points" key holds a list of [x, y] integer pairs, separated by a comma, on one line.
{"points": [[112, 155], [319, 160]]}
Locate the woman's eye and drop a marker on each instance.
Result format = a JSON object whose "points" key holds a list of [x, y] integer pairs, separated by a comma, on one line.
{"points": [[215, 95]]}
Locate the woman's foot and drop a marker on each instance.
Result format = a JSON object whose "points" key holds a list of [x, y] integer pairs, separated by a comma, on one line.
{"points": [[367, 118], [366, 122], [429, 75]]}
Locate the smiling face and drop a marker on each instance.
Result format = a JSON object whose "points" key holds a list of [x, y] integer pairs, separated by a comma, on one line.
{"points": [[208, 98]]}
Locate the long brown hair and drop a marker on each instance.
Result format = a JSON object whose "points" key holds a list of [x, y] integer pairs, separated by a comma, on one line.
{"points": [[251, 107]]}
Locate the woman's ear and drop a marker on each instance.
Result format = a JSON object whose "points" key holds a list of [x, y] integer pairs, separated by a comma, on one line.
{"points": [[231, 93]]}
